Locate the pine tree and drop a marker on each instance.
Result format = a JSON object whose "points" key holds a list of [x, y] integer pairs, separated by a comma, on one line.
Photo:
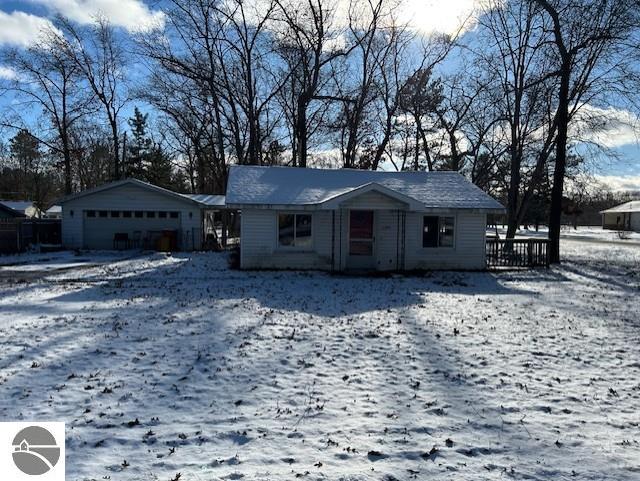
{"points": [[158, 169], [140, 148]]}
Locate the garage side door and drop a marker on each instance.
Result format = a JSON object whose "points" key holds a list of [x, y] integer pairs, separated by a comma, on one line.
{"points": [[101, 226]]}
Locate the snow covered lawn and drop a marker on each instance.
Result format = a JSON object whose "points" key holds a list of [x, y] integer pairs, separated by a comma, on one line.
{"points": [[592, 233], [162, 365]]}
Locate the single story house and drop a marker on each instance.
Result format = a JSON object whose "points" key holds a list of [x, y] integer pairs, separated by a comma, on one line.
{"points": [[25, 207], [134, 214], [622, 217], [339, 220]]}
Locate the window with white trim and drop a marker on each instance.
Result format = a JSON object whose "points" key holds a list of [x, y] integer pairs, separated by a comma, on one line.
{"points": [[438, 231], [294, 230]]}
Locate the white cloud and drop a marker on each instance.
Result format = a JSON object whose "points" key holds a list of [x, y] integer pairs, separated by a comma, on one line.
{"points": [[610, 127], [438, 16], [7, 73], [133, 15], [620, 183], [20, 29]]}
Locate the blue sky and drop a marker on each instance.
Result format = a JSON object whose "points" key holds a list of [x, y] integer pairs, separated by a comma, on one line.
{"points": [[20, 21]]}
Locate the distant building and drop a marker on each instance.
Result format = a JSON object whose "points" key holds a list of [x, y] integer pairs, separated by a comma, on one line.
{"points": [[53, 212], [25, 207], [622, 217], [9, 213]]}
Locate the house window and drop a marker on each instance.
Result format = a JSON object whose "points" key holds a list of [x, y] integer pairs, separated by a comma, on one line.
{"points": [[115, 213], [151, 214], [173, 215], [91, 213], [126, 213], [294, 230], [162, 214], [138, 214], [103, 213], [447, 228], [438, 231]]}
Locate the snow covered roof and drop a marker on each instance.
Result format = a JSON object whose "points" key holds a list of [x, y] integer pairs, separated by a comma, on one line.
{"points": [[255, 185], [207, 199], [54, 209], [632, 206], [203, 200], [10, 211], [18, 205]]}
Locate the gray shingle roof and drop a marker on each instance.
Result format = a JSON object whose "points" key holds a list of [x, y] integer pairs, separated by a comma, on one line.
{"points": [[254, 185]]}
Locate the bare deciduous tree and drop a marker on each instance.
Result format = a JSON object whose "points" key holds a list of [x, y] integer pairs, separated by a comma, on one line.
{"points": [[47, 80], [98, 53]]}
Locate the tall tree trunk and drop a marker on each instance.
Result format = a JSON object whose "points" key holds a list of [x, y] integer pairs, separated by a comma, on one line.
{"points": [[555, 215], [301, 133], [115, 138], [66, 156]]}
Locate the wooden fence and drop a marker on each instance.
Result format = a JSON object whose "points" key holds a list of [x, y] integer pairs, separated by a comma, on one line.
{"points": [[517, 253], [16, 235]]}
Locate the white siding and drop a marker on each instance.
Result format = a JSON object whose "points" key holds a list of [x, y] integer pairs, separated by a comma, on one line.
{"points": [[388, 240], [469, 243], [259, 242], [259, 249], [130, 197], [373, 201]]}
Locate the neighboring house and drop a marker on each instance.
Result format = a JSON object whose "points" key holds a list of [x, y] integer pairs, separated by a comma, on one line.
{"points": [[294, 218], [25, 207], [135, 214], [622, 217], [9, 213], [53, 212]]}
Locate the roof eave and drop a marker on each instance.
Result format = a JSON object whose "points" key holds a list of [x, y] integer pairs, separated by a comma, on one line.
{"points": [[119, 183]]}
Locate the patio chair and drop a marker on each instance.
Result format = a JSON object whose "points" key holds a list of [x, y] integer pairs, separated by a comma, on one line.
{"points": [[120, 240], [136, 239]]}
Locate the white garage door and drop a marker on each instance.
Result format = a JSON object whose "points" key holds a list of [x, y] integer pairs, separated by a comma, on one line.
{"points": [[101, 226]]}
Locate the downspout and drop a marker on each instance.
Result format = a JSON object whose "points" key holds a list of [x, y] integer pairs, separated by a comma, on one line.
{"points": [[340, 236], [397, 240], [404, 237], [333, 240]]}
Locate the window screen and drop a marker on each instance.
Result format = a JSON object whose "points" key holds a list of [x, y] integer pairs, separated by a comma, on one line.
{"points": [[447, 228], [438, 231], [303, 230], [294, 230], [286, 229], [430, 232]]}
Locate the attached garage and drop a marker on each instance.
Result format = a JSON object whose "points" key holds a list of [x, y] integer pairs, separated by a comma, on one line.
{"points": [[132, 214]]}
